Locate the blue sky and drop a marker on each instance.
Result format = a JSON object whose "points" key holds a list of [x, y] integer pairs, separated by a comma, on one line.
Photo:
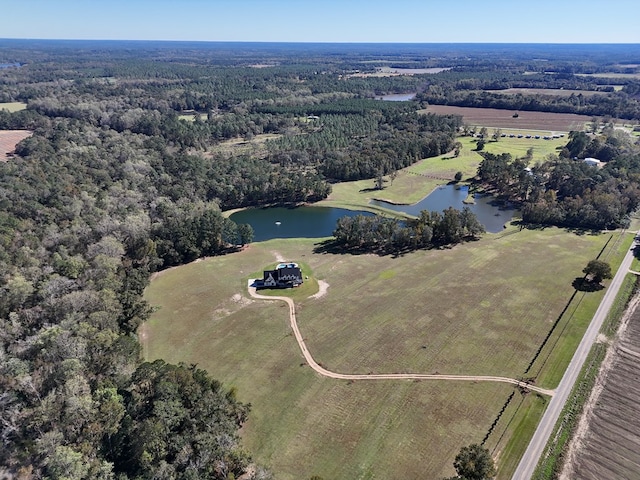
{"points": [[535, 21]]}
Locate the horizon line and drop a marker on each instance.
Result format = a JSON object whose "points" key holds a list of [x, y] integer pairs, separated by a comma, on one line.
{"points": [[327, 42]]}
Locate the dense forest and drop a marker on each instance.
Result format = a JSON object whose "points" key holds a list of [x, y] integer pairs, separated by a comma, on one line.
{"points": [[124, 176]]}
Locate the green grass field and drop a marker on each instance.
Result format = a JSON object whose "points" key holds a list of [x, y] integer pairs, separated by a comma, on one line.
{"points": [[13, 106], [480, 308], [417, 181]]}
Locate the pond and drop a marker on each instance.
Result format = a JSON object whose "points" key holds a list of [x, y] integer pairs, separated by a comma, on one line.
{"points": [[298, 222], [490, 212]]}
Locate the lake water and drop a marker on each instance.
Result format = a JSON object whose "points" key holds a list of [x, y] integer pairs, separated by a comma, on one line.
{"points": [[491, 213], [281, 222], [317, 222]]}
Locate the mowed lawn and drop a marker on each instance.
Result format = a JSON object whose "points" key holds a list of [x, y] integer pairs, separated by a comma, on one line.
{"points": [[480, 308]]}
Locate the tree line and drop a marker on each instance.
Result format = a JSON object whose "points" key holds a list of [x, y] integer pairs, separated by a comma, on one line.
{"points": [[569, 192], [384, 235]]}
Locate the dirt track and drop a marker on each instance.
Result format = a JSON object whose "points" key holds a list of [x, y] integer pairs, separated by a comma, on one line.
{"points": [[382, 376]]}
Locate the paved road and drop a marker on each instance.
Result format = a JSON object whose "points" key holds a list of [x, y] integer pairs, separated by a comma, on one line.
{"points": [[382, 376], [530, 459]]}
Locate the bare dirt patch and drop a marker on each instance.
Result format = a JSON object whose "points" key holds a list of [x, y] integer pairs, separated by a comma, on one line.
{"points": [[279, 257], [8, 141], [323, 287], [493, 117]]}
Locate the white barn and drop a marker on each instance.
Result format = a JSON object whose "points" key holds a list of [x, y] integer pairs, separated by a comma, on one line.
{"points": [[594, 162]]}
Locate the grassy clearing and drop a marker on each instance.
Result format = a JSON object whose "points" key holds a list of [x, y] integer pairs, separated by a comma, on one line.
{"points": [[13, 106], [609, 75], [546, 91], [191, 117], [513, 432], [557, 353], [472, 309], [239, 146], [417, 181]]}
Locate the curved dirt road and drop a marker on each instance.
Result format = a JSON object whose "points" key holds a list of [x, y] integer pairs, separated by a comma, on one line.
{"points": [[383, 376]]}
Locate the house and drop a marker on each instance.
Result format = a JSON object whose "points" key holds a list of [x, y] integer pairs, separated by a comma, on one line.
{"points": [[285, 275], [594, 162]]}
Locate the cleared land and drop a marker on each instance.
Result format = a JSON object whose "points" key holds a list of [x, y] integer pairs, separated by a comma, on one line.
{"points": [[557, 92], [394, 72], [417, 181], [609, 75], [8, 141], [478, 309], [608, 445], [492, 117], [13, 106]]}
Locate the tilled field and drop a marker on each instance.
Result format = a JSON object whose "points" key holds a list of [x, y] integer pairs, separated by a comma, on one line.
{"points": [[492, 117], [8, 141], [610, 446]]}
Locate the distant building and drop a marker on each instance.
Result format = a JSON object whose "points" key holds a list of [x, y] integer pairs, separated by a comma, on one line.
{"points": [[285, 275], [594, 162]]}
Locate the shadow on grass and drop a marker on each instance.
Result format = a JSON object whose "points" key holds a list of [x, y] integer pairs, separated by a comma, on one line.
{"points": [[584, 231], [583, 285], [335, 248], [542, 226], [371, 189]]}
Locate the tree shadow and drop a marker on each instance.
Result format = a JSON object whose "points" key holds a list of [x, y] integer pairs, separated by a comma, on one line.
{"points": [[583, 285], [332, 247], [530, 226], [583, 231], [335, 248]]}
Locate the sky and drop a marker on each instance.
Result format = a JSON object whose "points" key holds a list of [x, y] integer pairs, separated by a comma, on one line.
{"points": [[397, 21]]}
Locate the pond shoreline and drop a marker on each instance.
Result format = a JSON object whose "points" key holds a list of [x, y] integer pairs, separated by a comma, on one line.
{"points": [[492, 212]]}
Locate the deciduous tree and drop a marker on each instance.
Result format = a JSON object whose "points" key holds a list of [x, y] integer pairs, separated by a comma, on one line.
{"points": [[474, 462], [597, 270]]}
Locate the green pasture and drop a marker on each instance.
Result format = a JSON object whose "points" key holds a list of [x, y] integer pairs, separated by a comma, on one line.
{"points": [[518, 147], [191, 117], [553, 457], [13, 106], [481, 308], [414, 183]]}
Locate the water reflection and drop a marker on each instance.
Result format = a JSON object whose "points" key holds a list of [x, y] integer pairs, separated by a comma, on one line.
{"points": [[299, 222], [490, 212]]}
